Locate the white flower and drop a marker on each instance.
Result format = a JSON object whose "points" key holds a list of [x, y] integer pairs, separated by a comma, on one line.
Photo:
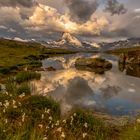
{"points": [[47, 111], [6, 93], [63, 135], [19, 103], [6, 103], [14, 106], [42, 116], [23, 117], [6, 121], [45, 138], [47, 127], [40, 125], [50, 118], [84, 135], [74, 114], [14, 102], [64, 121], [138, 120], [22, 95], [57, 123], [3, 110], [0, 103], [85, 125], [59, 129]]}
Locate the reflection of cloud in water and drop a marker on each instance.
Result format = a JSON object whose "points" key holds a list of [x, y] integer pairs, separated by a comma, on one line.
{"points": [[77, 93], [61, 62], [112, 91]]}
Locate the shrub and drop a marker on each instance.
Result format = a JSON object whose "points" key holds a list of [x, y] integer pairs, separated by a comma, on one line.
{"points": [[24, 88], [37, 104], [27, 76]]}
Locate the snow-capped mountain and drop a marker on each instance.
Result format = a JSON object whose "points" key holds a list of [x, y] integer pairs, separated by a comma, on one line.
{"points": [[92, 44], [69, 39]]}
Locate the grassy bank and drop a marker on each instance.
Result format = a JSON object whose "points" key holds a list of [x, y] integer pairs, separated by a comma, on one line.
{"points": [[123, 50], [18, 56]]}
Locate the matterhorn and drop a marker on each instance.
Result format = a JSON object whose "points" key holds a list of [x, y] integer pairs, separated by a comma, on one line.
{"points": [[68, 39]]}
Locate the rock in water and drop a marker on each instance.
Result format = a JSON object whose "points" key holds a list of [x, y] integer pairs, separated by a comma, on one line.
{"points": [[97, 65]]}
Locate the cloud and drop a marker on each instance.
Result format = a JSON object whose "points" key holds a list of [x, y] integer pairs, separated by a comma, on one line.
{"points": [[26, 3], [114, 7], [45, 17], [81, 10]]}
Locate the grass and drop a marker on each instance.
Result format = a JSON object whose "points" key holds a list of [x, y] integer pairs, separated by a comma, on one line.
{"points": [[26, 117], [123, 50], [16, 56], [27, 76], [35, 117]]}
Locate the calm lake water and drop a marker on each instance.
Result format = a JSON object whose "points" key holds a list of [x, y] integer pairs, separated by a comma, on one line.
{"points": [[117, 92]]}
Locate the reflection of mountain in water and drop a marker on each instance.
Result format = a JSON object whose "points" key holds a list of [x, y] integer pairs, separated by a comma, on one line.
{"points": [[72, 87]]}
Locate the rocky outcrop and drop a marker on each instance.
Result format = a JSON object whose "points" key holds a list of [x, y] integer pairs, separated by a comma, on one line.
{"points": [[129, 59], [97, 65]]}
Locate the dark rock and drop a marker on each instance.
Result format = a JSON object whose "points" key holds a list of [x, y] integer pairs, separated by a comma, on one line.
{"points": [[97, 65], [50, 69]]}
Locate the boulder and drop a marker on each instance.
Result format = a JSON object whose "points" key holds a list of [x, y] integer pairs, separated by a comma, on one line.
{"points": [[97, 65]]}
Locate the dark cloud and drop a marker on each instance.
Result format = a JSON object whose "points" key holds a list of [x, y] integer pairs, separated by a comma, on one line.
{"points": [[114, 7], [81, 10], [26, 3]]}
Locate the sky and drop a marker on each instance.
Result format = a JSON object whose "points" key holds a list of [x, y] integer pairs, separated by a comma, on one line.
{"points": [[100, 20]]}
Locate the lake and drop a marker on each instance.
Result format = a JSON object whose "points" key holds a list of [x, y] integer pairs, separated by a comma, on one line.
{"points": [[117, 92]]}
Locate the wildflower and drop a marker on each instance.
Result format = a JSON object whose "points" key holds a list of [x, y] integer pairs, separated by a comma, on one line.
{"points": [[6, 121], [4, 131], [0, 103], [64, 121], [14, 106], [50, 118], [52, 126], [63, 135], [85, 125], [45, 138], [6, 103], [14, 102], [59, 129], [4, 110], [40, 125], [47, 127], [138, 120], [57, 123], [23, 117], [84, 135], [71, 120], [74, 114], [6, 93], [19, 103], [47, 111], [42, 116], [22, 95]]}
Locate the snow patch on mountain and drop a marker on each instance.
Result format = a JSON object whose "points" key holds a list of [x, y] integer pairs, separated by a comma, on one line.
{"points": [[69, 39]]}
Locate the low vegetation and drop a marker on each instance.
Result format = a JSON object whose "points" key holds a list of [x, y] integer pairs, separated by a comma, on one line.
{"points": [[17, 56], [24, 116], [123, 50]]}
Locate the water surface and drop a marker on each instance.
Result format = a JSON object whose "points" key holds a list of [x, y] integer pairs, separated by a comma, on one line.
{"points": [[117, 92]]}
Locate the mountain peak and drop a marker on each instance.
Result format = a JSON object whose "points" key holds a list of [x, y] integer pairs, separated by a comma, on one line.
{"points": [[68, 38]]}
